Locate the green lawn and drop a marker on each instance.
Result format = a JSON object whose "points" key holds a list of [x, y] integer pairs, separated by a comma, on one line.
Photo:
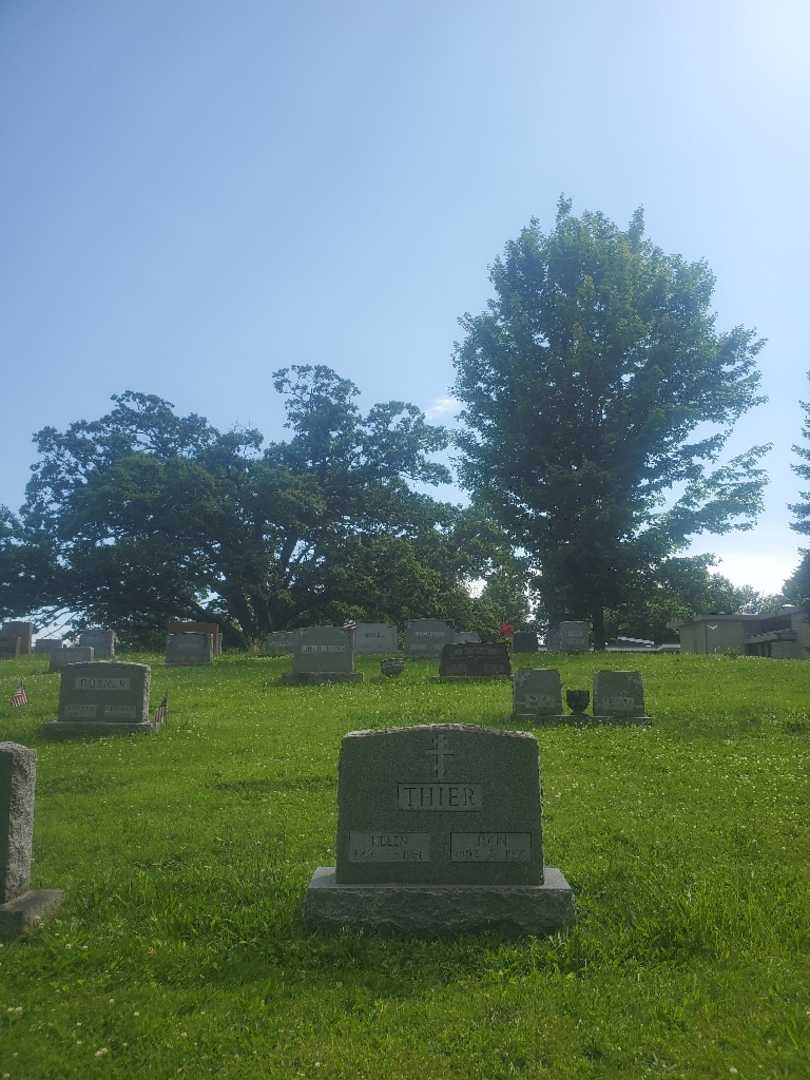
{"points": [[184, 857]]}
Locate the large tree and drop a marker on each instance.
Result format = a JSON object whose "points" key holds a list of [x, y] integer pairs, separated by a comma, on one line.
{"points": [[144, 515], [598, 395]]}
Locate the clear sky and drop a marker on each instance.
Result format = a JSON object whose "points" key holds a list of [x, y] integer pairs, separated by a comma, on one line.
{"points": [[194, 194]]}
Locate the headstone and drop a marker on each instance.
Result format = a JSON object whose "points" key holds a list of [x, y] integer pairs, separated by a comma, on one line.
{"points": [[25, 632], [425, 638], [47, 645], [102, 641], [536, 695], [187, 650], [574, 637], [282, 642], [524, 641], [489, 660], [211, 628], [439, 830], [10, 646], [324, 654], [467, 637], [619, 696], [21, 907], [78, 654], [371, 639], [108, 698]]}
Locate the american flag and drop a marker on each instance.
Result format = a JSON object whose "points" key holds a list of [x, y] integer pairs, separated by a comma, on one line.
{"points": [[350, 626], [19, 697], [162, 712]]}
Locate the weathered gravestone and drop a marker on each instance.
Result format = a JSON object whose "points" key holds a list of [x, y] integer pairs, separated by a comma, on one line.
{"points": [[48, 645], [489, 660], [10, 646], [570, 636], [467, 637], [21, 907], [427, 637], [375, 638], [439, 830], [77, 654], [103, 643], [211, 628], [282, 642], [103, 699], [324, 654], [187, 650], [524, 641], [536, 695], [618, 696], [25, 632]]}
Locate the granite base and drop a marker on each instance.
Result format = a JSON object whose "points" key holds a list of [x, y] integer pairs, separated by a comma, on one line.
{"points": [[25, 912], [79, 729], [440, 909], [317, 678], [470, 678]]}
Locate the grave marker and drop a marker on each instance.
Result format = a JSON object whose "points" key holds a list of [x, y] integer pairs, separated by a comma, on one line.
{"points": [[108, 698], [425, 638], [619, 696], [47, 645], [324, 654], [103, 643], [77, 654], [10, 646], [211, 628], [489, 660], [524, 641], [372, 639], [21, 907], [24, 631], [536, 694], [188, 650], [439, 830]]}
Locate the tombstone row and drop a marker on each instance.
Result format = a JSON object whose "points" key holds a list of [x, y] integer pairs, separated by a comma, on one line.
{"points": [[618, 696]]}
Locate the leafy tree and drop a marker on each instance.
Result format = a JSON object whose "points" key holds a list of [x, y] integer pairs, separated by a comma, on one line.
{"points": [[594, 388], [147, 515]]}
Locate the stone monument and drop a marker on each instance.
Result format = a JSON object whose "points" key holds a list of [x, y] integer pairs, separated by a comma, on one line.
{"points": [[10, 646], [25, 632], [282, 642], [536, 695], [373, 639], [108, 698], [618, 697], [570, 636], [467, 637], [439, 831], [47, 645], [524, 641], [425, 638], [188, 650], [103, 643], [21, 907], [324, 654], [489, 660], [77, 654], [211, 628]]}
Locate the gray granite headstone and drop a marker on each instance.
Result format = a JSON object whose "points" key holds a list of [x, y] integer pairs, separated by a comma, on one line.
{"points": [[103, 698], [439, 830], [425, 638], [574, 637], [77, 654], [21, 908], [282, 642], [618, 695], [524, 641], [488, 660], [24, 631], [324, 654], [372, 639], [188, 650], [47, 645], [536, 693], [103, 643], [467, 637], [10, 645]]}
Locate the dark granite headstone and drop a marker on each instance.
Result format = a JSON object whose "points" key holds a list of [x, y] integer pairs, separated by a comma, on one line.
{"points": [[103, 643], [25, 632], [487, 660], [425, 638], [187, 650], [10, 646], [103, 698], [524, 641]]}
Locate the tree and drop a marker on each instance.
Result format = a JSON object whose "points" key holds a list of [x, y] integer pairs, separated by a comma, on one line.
{"points": [[583, 387], [146, 515]]}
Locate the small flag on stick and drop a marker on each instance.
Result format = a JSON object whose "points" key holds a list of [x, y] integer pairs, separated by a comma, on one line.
{"points": [[19, 697], [350, 626], [162, 712]]}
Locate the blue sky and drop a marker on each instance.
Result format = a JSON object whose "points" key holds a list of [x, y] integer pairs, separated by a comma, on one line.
{"points": [[195, 194]]}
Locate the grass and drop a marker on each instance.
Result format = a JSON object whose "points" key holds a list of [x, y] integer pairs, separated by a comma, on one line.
{"points": [[180, 949]]}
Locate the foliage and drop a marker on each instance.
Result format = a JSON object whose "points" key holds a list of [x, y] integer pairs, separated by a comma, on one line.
{"points": [[180, 950], [595, 387], [146, 515]]}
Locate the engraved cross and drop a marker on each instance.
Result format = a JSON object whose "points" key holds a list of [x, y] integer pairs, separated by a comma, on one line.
{"points": [[439, 753]]}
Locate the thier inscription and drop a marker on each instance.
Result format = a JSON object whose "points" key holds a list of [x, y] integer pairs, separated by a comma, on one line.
{"points": [[389, 847], [83, 712], [121, 712], [87, 682], [439, 797], [490, 847]]}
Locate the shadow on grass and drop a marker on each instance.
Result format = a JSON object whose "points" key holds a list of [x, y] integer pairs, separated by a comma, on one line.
{"points": [[257, 787]]}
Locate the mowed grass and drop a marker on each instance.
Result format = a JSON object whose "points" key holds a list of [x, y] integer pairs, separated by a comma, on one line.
{"points": [[180, 950]]}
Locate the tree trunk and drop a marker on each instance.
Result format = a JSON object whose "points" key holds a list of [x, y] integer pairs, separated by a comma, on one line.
{"points": [[598, 626]]}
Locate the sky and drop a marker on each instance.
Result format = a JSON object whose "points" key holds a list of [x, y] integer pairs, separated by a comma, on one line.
{"points": [[194, 194]]}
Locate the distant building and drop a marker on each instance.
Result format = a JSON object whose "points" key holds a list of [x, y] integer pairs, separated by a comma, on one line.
{"points": [[782, 636]]}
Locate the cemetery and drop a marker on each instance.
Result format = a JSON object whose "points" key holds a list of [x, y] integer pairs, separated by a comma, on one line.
{"points": [[391, 840]]}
